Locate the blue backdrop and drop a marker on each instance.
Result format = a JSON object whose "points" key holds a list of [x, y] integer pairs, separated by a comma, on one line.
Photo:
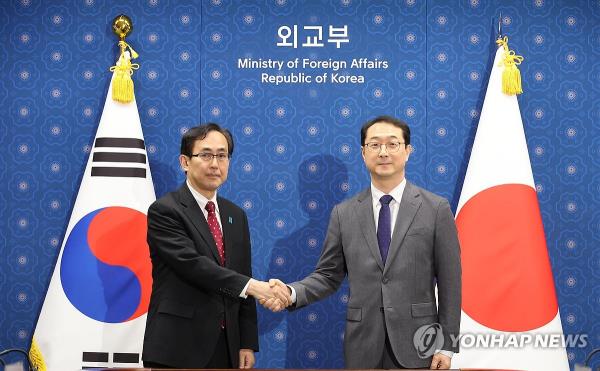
{"points": [[297, 145]]}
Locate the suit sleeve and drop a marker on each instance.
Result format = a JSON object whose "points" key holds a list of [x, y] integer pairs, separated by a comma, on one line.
{"points": [[247, 317], [448, 274], [168, 240], [330, 270]]}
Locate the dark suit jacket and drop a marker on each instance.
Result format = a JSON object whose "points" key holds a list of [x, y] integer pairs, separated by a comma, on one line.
{"points": [[191, 292], [424, 251]]}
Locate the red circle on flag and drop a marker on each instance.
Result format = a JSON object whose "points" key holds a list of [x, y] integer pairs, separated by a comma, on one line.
{"points": [[507, 279]]}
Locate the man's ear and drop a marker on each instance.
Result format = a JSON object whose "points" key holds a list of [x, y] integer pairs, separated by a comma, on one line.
{"points": [[183, 162], [409, 150]]}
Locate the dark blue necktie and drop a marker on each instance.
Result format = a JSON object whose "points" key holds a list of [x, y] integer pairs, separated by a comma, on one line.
{"points": [[384, 226]]}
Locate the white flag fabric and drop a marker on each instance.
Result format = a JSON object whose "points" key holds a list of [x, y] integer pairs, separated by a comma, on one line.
{"points": [[510, 317], [94, 313]]}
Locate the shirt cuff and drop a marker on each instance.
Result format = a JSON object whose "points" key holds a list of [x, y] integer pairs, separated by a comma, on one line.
{"points": [[293, 295], [447, 353], [243, 294]]}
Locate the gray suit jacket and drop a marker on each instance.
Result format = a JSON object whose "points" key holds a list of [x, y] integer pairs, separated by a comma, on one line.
{"points": [[424, 251]]}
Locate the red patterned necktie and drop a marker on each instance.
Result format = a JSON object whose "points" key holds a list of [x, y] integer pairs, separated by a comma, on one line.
{"points": [[215, 229]]}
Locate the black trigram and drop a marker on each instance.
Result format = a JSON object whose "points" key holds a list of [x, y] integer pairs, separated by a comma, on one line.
{"points": [[102, 357], [118, 158]]}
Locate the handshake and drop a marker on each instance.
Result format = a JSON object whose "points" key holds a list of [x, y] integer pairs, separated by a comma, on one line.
{"points": [[273, 295]]}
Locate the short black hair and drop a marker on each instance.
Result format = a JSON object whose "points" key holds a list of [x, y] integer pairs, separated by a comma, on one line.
{"points": [[387, 119], [200, 132]]}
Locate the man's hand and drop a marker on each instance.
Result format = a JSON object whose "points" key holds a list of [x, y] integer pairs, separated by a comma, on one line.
{"points": [[263, 291], [440, 362], [273, 304], [247, 358]]}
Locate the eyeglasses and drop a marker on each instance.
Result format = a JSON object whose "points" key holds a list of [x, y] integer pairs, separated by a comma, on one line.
{"points": [[391, 147], [208, 157]]}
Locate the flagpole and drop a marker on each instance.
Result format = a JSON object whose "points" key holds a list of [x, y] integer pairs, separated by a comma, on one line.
{"points": [[499, 26]]}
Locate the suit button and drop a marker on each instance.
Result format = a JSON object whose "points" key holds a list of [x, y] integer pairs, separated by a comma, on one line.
{"points": [[385, 280]]}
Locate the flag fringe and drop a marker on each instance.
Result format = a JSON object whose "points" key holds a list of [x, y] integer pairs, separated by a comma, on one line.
{"points": [[511, 77], [36, 359], [122, 90]]}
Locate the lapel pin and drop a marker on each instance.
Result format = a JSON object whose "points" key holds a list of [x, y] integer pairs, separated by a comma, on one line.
{"points": [[230, 220]]}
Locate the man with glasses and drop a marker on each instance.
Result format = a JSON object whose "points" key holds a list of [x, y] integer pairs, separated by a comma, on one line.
{"points": [[395, 242], [200, 313]]}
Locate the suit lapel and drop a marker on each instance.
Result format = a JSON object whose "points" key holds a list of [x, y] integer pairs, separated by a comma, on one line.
{"points": [[227, 229], [366, 220], [192, 210], [410, 203]]}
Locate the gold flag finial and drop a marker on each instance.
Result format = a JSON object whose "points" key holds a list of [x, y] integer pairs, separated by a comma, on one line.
{"points": [[122, 90], [122, 26]]}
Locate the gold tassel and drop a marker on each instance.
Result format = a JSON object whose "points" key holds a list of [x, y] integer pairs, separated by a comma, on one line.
{"points": [[511, 77], [122, 90], [36, 359]]}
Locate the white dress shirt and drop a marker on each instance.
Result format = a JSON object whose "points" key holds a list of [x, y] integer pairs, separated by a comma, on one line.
{"points": [[396, 193], [202, 201]]}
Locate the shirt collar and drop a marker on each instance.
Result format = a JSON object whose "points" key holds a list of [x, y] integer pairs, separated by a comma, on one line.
{"points": [[201, 200], [396, 192]]}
